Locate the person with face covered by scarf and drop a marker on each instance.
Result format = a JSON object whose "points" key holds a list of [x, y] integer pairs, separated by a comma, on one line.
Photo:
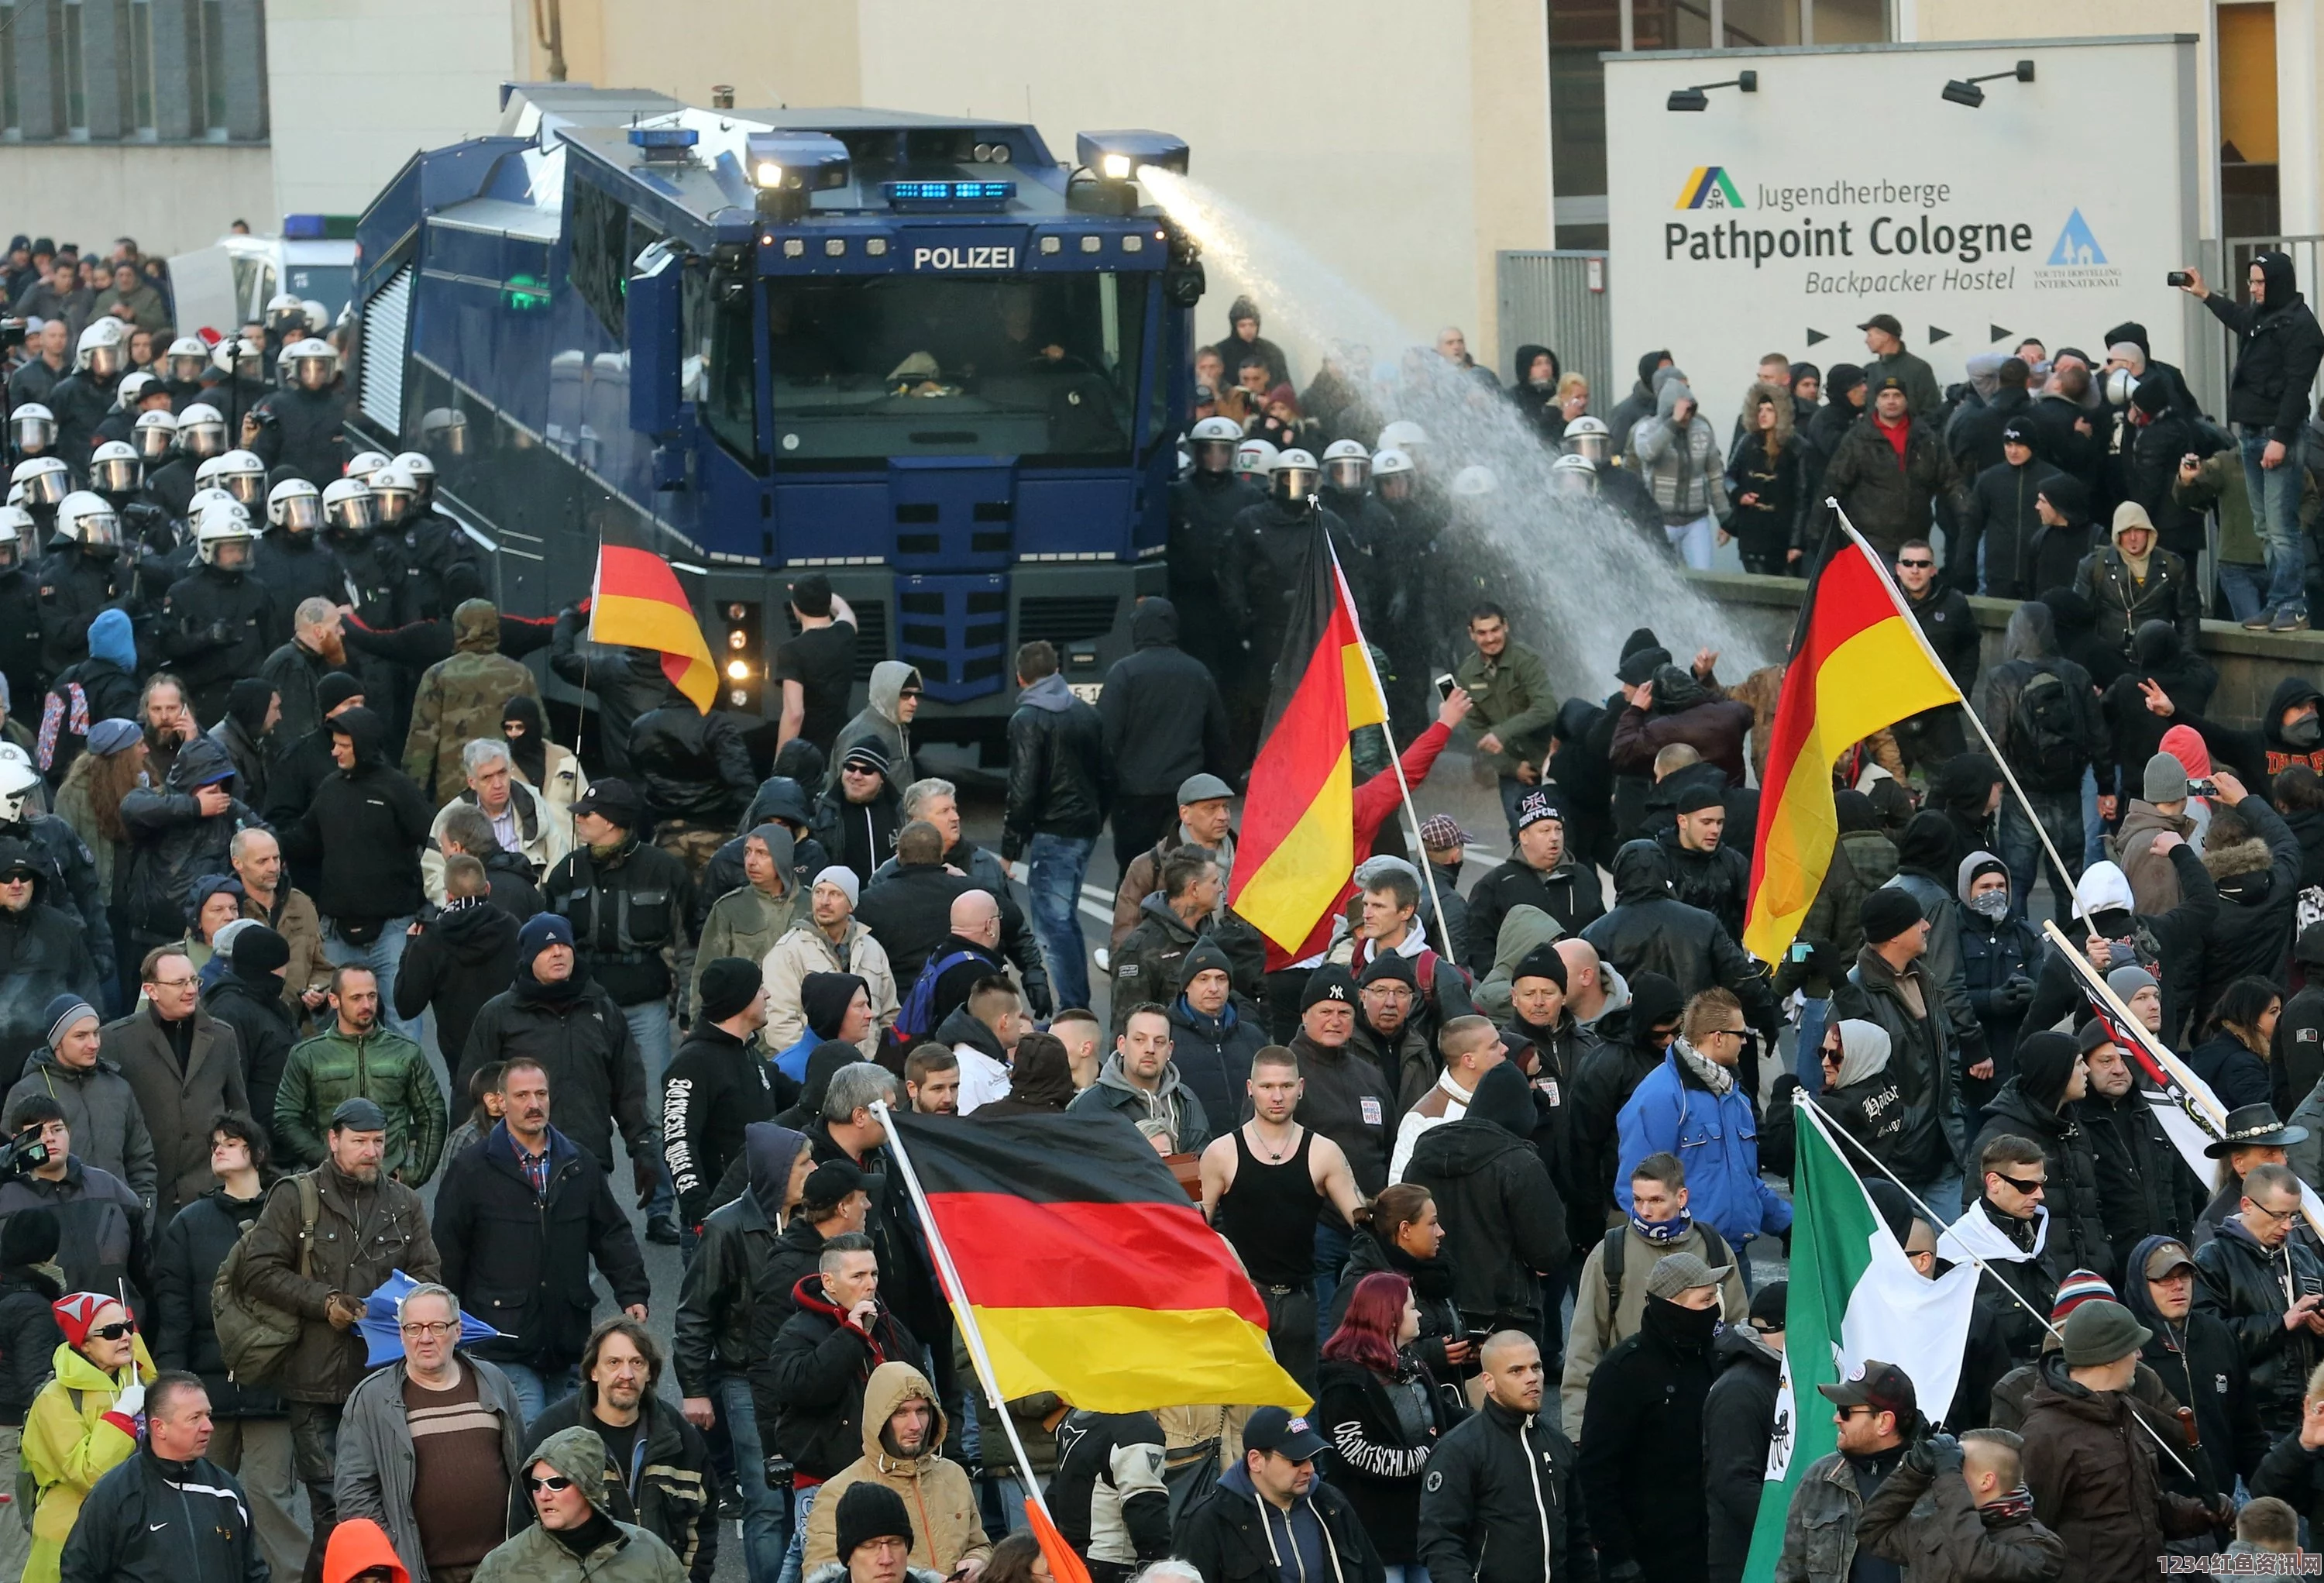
{"points": [[2000, 954], [2170, 945], [1641, 1465]]}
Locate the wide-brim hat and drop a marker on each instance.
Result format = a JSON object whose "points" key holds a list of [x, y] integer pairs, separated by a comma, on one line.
{"points": [[2255, 1126]]}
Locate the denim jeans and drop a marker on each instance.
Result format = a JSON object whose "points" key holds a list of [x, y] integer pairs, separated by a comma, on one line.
{"points": [[2245, 588], [2275, 516], [1694, 540], [1807, 1053], [1055, 868], [1332, 1241], [1943, 1195], [766, 1513], [384, 956], [650, 1031], [536, 1392], [794, 1551], [2021, 850]]}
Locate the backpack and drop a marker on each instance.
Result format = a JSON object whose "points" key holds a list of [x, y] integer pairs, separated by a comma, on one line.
{"points": [[919, 1006], [2043, 726], [254, 1336], [1618, 1240]]}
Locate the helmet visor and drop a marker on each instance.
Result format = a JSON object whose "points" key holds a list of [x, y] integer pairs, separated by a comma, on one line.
{"points": [[357, 513], [1294, 483], [186, 367], [1589, 447], [46, 487], [302, 513], [31, 435], [202, 442], [103, 362], [116, 475], [1213, 456], [246, 487], [1348, 472], [152, 441], [229, 554], [100, 530], [393, 504], [313, 373]]}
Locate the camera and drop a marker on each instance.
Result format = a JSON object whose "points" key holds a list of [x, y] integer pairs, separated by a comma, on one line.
{"points": [[12, 334], [2202, 786], [1445, 685], [2177, 277], [23, 1153]]}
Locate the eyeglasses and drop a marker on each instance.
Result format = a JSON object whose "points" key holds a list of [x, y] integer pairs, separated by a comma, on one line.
{"points": [[436, 1328], [554, 1481], [1918, 565], [2274, 1214], [115, 1331], [174, 983], [2028, 1188]]}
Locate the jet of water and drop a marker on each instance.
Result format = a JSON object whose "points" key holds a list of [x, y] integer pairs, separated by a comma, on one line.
{"points": [[1585, 575]]}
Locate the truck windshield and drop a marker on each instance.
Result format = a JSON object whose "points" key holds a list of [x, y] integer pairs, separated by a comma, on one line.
{"points": [[1046, 369]]}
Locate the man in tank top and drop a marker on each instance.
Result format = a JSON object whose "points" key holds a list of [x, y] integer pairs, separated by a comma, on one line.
{"points": [[1264, 1185]]}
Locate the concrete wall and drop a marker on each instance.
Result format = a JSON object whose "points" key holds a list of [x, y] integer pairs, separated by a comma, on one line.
{"points": [[172, 197]]}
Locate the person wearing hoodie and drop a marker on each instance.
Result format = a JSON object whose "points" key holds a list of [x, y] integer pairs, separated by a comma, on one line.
{"points": [[576, 1538], [2256, 861], [1738, 1416], [2000, 954], [1533, 391], [892, 698], [1861, 1096], [2040, 1103], [1525, 928], [1061, 785], [2278, 350], [1641, 1465], [903, 1432], [1141, 1082], [2002, 512], [178, 831], [1214, 1033], [856, 821], [1638, 405], [247, 731], [719, 1084], [1649, 930], [1164, 720], [2040, 707], [1820, 436], [1632, 1039], [1693, 1106], [1763, 478], [2137, 580], [2170, 945], [1675, 453], [102, 685], [461, 957], [108, 1127], [748, 920], [2194, 1355], [1888, 473], [1040, 1079]]}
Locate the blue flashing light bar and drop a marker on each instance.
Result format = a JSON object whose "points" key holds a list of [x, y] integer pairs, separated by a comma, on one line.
{"points": [[664, 138], [961, 196]]}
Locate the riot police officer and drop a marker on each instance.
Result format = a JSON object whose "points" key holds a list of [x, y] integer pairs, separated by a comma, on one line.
{"points": [[216, 623], [84, 573], [40, 486], [373, 572], [31, 432], [200, 437], [182, 367], [20, 609], [237, 381], [64, 859], [82, 398], [1347, 493], [309, 412], [1204, 505], [293, 561], [446, 563], [1266, 555]]}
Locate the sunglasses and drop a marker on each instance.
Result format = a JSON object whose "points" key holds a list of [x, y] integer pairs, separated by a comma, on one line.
{"points": [[2028, 1188], [115, 1331], [1918, 565], [553, 1482]]}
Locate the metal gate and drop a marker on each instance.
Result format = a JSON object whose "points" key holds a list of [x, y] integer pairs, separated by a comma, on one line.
{"points": [[1559, 299]]}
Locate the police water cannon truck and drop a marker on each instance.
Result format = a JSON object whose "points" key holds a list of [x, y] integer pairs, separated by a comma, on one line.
{"points": [[919, 354]]}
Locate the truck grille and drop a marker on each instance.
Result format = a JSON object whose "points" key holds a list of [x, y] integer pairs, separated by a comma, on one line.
{"points": [[1065, 618]]}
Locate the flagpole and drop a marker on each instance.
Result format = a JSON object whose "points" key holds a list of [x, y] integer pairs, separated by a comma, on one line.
{"points": [[962, 1313], [1912, 623], [2094, 983], [1830, 1131], [1396, 760]]}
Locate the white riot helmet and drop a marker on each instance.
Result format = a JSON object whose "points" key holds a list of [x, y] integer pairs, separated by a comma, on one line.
{"points": [[310, 364], [2119, 385], [32, 430], [223, 536], [203, 499], [115, 468], [153, 435], [394, 487], [1292, 474], [1403, 435], [1589, 439], [1347, 465], [201, 431], [350, 507], [1393, 473], [206, 477], [187, 356], [90, 520], [285, 313], [316, 314], [295, 506], [1213, 441], [239, 357], [1254, 460], [104, 347], [363, 465], [1474, 483], [1573, 474], [243, 476], [423, 477], [18, 780], [132, 390], [16, 530], [44, 480]]}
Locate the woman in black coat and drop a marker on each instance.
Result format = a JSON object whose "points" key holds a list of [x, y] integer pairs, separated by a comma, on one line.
{"points": [[1382, 1413], [1400, 1234], [1763, 479]]}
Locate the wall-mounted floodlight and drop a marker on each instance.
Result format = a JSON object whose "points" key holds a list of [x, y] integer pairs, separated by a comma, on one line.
{"points": [[1957, 92], [1697, 98]]}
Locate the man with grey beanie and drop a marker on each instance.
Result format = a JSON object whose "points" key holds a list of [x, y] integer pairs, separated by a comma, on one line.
{"points": [[2160, 807], [829, 939]]}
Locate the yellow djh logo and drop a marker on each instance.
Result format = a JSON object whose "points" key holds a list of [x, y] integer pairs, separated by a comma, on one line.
{"points": [[1709, 187]]}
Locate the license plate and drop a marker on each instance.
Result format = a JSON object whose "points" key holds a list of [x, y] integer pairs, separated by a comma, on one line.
{"points": [[1087, 692]]}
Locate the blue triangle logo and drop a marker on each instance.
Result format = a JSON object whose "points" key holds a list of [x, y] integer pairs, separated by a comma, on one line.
{"points": [[2076, 244]]}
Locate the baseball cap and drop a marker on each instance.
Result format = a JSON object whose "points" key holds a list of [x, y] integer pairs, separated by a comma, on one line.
{"points": [[1883, 322], [1275, 1429], [615, 800], [1881, 1386], [2168, 1256]]}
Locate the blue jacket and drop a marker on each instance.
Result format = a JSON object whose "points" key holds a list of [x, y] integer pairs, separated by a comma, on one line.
{"points": [[1716, 1138]]}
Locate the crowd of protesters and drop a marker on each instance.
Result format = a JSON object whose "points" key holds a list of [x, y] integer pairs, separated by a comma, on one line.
{"points": [[280, 812]]}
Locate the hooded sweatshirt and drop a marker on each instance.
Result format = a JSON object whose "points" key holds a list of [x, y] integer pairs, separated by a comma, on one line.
{"points": [[882, 723], [1682, 468], [946, 1530]]}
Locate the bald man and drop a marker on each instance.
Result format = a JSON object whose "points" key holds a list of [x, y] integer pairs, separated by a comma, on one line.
{"points": [[970, 952], [1465, 1509], [1592, 987]]}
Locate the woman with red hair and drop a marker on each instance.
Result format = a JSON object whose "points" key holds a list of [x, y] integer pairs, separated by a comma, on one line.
{"points": [[1383, 1414]]}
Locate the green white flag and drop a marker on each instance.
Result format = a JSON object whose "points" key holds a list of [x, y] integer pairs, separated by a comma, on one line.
{"points": [[1854, 1295]]}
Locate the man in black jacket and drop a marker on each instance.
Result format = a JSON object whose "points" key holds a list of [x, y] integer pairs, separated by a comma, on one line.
{"points": [[2248, 1276], [1641, 1462], [2001, 512], [1504, 1222], [1539, 874], [518, 1220], [1651, 930], [2040, 1103], [2144, 1188], [908, 909], [1163, 721], [1738, 1419], [168, 1513], [695, 772], [247, 998], [2195, 1357], [460, 959], [720, 1083], [365, 828], [1269, 1512], [1889, 986], [2279, 346], [1060, 786], [1501, 1502]]}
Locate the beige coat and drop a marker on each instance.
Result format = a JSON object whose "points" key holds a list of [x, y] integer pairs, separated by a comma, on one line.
{"points": [[945, 1528], [806, 950], [301, 929]]}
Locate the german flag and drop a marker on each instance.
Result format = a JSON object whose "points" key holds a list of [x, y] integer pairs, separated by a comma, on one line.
{"points": [[1084, 1268], [1298, 841], [635, 603], [1859, 664]]}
